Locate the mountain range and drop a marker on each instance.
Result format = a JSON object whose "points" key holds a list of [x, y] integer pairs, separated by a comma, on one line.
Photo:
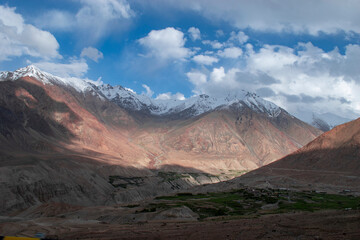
{"points": [[71, 141]]}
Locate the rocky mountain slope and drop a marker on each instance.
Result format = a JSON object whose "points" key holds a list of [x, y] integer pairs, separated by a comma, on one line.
{"points": [[331, 162], [70, 141]]}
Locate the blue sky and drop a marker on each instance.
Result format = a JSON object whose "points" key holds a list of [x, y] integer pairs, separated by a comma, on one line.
{"points": [[303, 57]]}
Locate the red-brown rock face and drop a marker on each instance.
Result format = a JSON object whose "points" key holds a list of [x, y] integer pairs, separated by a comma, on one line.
{"points": [[331, 162], [225, 139]]}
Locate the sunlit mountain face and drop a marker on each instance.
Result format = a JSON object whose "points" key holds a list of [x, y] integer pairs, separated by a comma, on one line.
{"points": [[330, 162]]}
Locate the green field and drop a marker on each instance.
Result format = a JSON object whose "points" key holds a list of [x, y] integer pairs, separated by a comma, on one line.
{"points": [[251, 202]]}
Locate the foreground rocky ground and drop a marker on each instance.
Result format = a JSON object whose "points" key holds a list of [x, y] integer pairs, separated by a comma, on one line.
{"points": [[246, 213], [337, 224], [322, 225]]}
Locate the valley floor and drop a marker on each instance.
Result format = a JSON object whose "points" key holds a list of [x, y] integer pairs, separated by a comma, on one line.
{"points": [[244, 213], [331, 224]]}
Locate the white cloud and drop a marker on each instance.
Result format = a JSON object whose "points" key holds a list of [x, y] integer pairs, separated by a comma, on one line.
{"points": [[205, 60], [194, 33], [9, 18], [168, 96], [108, 9], [18, 39], [239, 37], [148, 92], [167, 43], [307, 16], [95, 18], [220, 82], [57, 20], [303, 79], [214, 44], [272, 58], [218, 74], [42, 42], [179, 96], [92, 53], [232, 52], [197, 78], [66, 70]]}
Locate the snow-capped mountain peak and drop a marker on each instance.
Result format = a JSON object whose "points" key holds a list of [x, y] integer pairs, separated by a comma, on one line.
{"points": [[259, 104], [46, 78], [29, 71], [194, 105]]}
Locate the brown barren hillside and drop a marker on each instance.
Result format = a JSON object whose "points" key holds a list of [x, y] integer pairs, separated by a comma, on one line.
{"points": [[330, 162], [225, 139]]}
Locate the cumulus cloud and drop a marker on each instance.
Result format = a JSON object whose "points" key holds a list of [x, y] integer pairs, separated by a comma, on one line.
{"points": [[231, 52], [194, 33], [148, 92], [299, 79], [73, 69], [169, 95], [167, 43], [92, 53], [310, 77], [197, 78], [239, 37], [205, 60], [309, 16], [218, 74], [217, 82], [214, 44], [18, 38], [9, 18]]}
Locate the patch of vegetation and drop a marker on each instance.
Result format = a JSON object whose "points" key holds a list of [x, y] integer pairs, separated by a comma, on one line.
{"points": [[182, 196], [319, 201], [252, 202]]}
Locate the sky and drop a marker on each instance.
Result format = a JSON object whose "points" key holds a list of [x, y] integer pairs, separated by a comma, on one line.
{"points": [[302, 55]]}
